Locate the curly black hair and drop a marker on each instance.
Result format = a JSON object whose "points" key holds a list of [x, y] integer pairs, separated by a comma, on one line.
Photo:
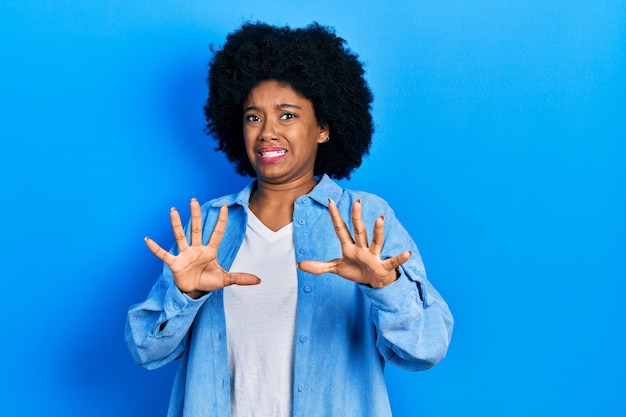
{"points": [[317, 64]]}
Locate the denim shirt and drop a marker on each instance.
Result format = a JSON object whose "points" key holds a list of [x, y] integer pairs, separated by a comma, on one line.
{"points": [[345, 332]]}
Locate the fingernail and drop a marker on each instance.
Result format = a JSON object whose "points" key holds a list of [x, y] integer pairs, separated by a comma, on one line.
{"points": [[173, 209], [330, 200]]}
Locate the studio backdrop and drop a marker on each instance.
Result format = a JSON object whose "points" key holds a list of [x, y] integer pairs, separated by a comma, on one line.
{"points": [[499, 143]]}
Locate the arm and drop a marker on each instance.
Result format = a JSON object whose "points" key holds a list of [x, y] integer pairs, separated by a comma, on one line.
{"points": [[157, 329], [413, 322]]}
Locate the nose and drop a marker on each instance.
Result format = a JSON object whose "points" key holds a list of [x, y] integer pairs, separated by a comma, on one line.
{"points": [[268, 132]]}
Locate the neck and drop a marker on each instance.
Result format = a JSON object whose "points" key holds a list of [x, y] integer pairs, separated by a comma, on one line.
{"points": [[269, 193], [273, 203]]}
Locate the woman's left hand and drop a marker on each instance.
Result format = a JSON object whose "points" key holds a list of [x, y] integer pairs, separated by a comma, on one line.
{"points": [[360, 262]]}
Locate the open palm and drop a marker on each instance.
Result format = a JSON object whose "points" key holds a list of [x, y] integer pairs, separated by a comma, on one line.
{"points": [[196, 269], [360, 262]]}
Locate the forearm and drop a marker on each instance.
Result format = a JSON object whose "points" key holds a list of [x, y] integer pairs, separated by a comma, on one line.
{"points": [[156, 329], [413, 322]]}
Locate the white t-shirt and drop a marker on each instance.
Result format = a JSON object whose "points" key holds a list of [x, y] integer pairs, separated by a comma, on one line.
{"points": [[261, 321]]}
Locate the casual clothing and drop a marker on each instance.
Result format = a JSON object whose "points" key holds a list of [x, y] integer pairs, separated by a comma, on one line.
{"points": [[261, 323], [345, 332]]}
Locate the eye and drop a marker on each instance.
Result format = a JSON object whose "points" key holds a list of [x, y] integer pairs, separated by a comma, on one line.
{"points": [[249, 118], [287, 116]]}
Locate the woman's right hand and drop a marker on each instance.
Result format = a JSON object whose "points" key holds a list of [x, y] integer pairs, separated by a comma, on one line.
{"points": [[195, 268]]}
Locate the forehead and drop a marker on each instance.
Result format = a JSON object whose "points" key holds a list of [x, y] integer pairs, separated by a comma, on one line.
{"points": [[272, 92]]}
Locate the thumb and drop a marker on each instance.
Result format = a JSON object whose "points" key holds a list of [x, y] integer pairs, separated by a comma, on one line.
{"points": [[318, 267], [242, 278]]}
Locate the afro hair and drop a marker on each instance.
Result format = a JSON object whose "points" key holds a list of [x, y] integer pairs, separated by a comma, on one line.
{"points": [[314, 62]]}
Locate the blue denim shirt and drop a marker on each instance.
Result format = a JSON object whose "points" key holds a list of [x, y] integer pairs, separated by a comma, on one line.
{"points": [[345, 332]]}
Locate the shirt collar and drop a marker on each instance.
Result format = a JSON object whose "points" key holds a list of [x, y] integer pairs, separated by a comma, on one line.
{"points": [[326, 188]]}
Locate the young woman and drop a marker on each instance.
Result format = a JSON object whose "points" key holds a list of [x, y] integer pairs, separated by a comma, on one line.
{"points": [[318, 306]]}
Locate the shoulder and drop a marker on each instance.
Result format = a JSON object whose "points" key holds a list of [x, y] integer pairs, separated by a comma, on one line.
{"points": [[365, 197], [328, 188], [372, 204], [241, 198], [235, 203]]}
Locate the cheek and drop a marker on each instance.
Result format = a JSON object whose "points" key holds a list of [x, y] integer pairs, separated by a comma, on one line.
{"points": [[248, 145], [248, 136]]}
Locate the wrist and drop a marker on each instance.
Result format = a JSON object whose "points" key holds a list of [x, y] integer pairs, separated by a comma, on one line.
{"points": [[393, 277], [195, 294]]}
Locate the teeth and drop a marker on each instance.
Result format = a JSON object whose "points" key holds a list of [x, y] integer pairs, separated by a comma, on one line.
{"points": [[273, 154]]}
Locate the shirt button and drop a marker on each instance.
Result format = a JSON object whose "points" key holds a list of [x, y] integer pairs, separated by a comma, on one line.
{"points": [[305, 199], [302, 250], [303, 339], [300, 388], [176, 306], [301, 221], [307, 288]]}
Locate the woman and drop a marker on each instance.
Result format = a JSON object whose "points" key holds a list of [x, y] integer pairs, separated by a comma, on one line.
{"points": [[270, 302]]}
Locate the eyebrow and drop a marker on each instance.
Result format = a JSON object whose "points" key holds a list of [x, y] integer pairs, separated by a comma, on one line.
{"points": [[280, 106]]}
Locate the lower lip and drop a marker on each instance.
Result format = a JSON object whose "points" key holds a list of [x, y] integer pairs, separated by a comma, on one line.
{"points": [[271, 159]]}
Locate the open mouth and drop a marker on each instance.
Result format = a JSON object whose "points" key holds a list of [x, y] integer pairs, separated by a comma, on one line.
{"points": [[269, 155], [273, 153]]}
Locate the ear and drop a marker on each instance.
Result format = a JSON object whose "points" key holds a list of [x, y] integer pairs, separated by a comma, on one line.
{"points": [[324, 133]]}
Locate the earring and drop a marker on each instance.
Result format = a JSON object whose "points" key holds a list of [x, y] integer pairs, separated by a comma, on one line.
{"points": [[327, 139]]}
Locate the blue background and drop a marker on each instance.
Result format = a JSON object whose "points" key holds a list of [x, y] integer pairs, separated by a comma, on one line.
{"points": [[499, 141]]}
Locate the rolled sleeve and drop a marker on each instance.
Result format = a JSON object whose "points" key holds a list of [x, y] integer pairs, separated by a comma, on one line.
{"points": [[413, 323]]}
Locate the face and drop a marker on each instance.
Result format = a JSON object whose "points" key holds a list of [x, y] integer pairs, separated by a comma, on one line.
{"points": [[281, 133]]}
